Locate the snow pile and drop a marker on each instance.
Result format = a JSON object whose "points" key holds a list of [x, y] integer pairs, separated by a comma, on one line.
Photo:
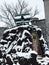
{"points": [[16, 47]]}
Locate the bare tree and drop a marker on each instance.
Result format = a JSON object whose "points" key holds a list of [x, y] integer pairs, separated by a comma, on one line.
{"points": [[9, 12], [7, 15]]}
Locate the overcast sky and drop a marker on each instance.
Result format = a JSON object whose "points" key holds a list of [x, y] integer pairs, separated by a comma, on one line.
{"points": [[7, 1]]}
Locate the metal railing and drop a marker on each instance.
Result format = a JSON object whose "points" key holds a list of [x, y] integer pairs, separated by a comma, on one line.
{"points": [[25, 18]]}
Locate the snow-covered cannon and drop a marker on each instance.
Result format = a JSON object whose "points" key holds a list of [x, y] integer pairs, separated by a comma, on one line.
{"points": [[23, 45]]}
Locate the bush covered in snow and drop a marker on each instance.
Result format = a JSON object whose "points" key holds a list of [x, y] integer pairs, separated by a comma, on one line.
{"points": [[16, 47]]}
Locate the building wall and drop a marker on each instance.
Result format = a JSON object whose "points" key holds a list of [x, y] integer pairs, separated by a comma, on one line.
{"points": [[46, 2], [1, 31]]}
